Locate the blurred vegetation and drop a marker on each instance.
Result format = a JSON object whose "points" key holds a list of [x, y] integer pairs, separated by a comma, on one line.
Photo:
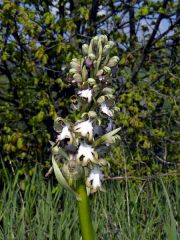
{"points": [[32, 208], [38, 40]]}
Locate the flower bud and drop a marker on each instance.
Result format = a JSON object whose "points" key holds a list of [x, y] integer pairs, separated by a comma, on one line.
{"points": [[85, 48], [74, 60], [111, 43], [91, 56], [91, 81], [107, 69], [92, 114], [95, 40], [103, 38], [106, 49], [113, 61], [101, 99], [77, 77], [72, 71], [75, 65], [100, 72]]}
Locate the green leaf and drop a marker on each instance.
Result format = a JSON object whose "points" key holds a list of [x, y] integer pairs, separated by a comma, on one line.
{"points": [[40, 116], [172, 234], [106, 138], [20, 143], [60, 178], [145, 10]]}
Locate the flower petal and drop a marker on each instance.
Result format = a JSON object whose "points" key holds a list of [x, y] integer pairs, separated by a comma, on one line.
{"points": [[86, 154], [85, 129], [106, 110], [94, 179], [65, 134], [87, 94]]}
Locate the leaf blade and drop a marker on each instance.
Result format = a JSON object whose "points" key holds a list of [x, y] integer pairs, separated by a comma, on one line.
{"points": [[60, 178]]}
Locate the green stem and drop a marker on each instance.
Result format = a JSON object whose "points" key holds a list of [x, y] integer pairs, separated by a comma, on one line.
{"points": [[87, 230]]}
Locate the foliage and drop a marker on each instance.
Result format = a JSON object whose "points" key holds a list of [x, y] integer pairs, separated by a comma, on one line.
{"points": [[37, 42], [35, 209]]}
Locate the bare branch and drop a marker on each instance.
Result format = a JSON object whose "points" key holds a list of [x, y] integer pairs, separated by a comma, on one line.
{"points": [[148, 44], [143, 178]]}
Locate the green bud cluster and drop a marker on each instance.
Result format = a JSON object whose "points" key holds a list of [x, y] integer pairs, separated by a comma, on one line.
{"points": [[96, 63]]}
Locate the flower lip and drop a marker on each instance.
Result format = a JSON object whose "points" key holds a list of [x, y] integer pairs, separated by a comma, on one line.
{"points": [[87, 94], [105, 109], [85, 129], [94, 179], [86, 154]]}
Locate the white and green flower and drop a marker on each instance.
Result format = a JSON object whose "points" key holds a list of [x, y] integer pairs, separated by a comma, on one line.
{"points": [[87, 94], [85, 129], [86, 154], [94, 179], [105, 109], [65, 134]]}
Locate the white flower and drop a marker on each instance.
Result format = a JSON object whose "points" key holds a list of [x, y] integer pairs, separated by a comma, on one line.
{"points": [[94, 179], [86, 94], [65, 134], [85, 129], [86, 154], [106, 110]]}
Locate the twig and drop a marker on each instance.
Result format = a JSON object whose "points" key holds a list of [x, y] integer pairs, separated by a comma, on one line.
{"points": [[143, 178], [166, 162], [174, 75], [148, 45]]}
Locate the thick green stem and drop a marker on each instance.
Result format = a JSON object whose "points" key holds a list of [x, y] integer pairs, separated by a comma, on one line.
{"points": [[87, 230]]}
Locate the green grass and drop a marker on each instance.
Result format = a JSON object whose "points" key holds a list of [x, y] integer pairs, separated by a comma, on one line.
{"points": [[127, 211]]}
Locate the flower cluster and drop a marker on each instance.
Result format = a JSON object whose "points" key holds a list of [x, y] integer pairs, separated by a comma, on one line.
{"points": [[79, 142]]}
